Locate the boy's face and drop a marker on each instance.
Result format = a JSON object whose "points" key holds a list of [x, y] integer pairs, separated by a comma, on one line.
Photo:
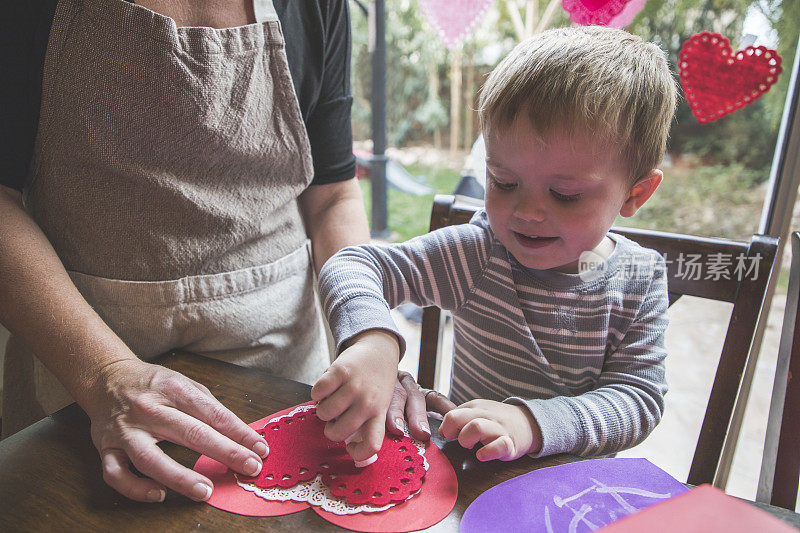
{"points": [[548, 203]]}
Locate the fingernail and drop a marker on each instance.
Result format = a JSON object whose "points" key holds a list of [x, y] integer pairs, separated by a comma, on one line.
{"points": [[398, 422], [252, 467], [423, 425], [201, 492], [261, 448], [156, 495]]}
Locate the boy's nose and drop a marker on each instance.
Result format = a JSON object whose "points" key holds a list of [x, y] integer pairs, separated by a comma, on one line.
{"points": [[530, 210]]}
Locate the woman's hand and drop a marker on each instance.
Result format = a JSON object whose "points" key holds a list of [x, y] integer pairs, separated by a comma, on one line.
{"points": [[353, 394], [412, 403], [137, 404], [506, 431]]}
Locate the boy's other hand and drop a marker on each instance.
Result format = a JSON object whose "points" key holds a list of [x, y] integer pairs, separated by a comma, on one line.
{"points": [[353, 394], [506, 431]]}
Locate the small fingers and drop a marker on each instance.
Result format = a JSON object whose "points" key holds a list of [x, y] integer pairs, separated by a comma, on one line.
{"points": [[500, 448], [330, 381], [479, 430], [346, 425], [454, 420], [334, 405], [118, 476], [369, 442]]}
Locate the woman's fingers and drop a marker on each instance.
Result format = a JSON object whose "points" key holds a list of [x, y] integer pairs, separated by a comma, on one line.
{"points": [[415, 411], [119, 477], [181, 428], [151, 461], [207, 409], [395, 415], [438, 403]]}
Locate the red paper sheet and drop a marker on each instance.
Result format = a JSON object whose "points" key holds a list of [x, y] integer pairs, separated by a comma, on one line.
{"points": [[431, 505], [705, 509]]}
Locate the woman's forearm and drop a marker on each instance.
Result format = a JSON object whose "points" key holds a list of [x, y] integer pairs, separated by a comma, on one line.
{"points": [[41, 306], [334, 217]]}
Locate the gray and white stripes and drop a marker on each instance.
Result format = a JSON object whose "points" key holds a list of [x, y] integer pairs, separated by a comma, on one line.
{"points": [[586, 357]]}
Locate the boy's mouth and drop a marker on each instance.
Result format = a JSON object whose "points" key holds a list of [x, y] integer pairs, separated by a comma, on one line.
{"points": [[533, 241]]}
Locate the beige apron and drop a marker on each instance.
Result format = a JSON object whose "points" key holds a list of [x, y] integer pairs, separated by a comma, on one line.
{"points": [[167, 166]]}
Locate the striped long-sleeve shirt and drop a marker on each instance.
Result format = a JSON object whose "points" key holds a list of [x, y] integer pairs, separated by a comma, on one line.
{"points": [[586, 357]]}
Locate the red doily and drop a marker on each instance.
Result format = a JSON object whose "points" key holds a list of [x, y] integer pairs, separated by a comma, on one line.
{"points": [[396, 475], [718, 81], [593, 12], [299, 450]]}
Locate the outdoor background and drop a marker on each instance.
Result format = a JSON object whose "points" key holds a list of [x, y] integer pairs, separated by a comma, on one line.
{"points": [[714, 184], [715, 174]]}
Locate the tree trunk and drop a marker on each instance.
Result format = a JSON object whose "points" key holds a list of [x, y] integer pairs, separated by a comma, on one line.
{"points": [[433, 79], [469, 99], [455, 99]]}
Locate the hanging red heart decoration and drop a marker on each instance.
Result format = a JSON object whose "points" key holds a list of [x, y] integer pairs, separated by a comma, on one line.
{"points": [[595, 12], [718, 81], [454, 20]]}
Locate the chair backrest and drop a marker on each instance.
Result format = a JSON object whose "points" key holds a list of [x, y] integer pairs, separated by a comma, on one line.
{"points": [[745, 288], [780, 465]]}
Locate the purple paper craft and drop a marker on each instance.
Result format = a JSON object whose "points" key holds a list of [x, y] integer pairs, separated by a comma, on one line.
{"points": [[578, 497]]}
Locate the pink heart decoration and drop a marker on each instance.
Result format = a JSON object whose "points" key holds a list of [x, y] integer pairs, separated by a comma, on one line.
{"points": [[453, 20], [625, 16], [596, 12]]}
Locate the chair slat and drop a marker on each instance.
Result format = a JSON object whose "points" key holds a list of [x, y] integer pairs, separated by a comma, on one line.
{"points": [[746, 289]]}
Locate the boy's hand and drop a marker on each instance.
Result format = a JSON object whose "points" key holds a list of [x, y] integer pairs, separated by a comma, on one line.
{"points": [[353, 394], [506, 431]]}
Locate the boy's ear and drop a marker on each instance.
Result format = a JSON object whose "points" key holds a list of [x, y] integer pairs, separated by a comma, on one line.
{"points": [[641, 191]]}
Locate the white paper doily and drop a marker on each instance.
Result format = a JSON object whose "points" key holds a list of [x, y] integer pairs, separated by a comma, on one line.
{"points": [[315, 492]]}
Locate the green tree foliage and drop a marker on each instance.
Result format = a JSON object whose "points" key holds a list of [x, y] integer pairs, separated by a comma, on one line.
{"points": [[414, 54]]}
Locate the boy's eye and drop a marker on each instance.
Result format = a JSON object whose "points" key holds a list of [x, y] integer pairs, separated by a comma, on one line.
{"points": [[503, 186], [564, 197]]}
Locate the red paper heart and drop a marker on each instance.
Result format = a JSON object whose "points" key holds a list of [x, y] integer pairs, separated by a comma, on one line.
{"points": [[298, 451], [396, 475], [718, 81], [593, 12], [453, 20], [420, 512]]}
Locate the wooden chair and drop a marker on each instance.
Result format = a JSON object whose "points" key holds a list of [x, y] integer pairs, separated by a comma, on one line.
{"points": [[747, 296], [780, 465]]}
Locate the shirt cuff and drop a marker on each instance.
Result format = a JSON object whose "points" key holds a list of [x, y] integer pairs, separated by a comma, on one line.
{"points": [[561, 431], [360, 314]]}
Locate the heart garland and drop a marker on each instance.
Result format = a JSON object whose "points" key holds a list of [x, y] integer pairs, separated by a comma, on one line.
{"points": [[454, 20], [601, 12], [718, 81], [299, 451]]}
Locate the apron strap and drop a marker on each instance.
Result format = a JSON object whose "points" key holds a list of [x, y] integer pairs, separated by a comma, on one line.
{"points": [[265, 11]]}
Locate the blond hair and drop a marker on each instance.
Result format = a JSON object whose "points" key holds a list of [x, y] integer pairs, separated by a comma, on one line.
{"points": [[603, 80]]}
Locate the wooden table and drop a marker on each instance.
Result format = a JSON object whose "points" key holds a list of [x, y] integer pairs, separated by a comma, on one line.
{"points": [[50, 477]]}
